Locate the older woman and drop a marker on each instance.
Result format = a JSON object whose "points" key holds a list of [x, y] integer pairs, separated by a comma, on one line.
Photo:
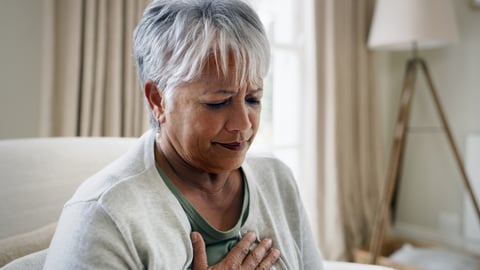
{"points": [[186, 196]]}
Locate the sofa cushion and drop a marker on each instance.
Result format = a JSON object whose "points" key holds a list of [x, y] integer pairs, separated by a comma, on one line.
{"points": [[38, 175], [32, 261], [18, 246]]}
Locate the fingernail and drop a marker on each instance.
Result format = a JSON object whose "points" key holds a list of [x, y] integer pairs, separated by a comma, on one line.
{"points": [[268, 242], [275, 252], [251, 236], [193, 237]]}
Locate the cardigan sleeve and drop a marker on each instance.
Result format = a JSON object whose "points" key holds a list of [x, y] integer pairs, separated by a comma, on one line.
{"points": [[312, 258], [87, 238]]}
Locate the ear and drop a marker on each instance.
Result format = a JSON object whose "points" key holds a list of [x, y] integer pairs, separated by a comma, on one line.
{"points": [[155, 100]]}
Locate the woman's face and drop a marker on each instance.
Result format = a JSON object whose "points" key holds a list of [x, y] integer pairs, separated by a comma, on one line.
{"points": [[211, 123]]}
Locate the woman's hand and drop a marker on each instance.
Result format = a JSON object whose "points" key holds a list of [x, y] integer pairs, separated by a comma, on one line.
{"points": [[263, 256]]}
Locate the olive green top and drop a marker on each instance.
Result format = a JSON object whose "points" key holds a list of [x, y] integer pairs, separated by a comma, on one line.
{"points": [[218, 243]]}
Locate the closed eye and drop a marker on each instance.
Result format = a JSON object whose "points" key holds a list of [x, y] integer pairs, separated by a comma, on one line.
{"points": [[217, 105], [253, 101]]}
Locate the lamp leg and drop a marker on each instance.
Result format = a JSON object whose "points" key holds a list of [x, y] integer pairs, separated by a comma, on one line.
{"points": [[451, 141], [396, 153]]}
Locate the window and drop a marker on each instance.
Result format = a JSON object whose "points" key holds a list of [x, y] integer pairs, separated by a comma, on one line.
{"points": [[287, 128]]}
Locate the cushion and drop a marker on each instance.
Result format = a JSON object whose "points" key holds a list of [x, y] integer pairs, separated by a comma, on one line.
{"points": [[435, 258], [32, 261], [38, 175], [20, 245]]}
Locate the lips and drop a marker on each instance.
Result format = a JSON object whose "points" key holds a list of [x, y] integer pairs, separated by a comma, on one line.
{"points": [[234, 146]]}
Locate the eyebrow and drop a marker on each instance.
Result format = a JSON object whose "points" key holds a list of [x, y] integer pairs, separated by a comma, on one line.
{"points": [[232, 92], [257, 90]]}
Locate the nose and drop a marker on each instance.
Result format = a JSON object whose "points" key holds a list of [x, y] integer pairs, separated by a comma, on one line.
{"points": [[239, 118]]}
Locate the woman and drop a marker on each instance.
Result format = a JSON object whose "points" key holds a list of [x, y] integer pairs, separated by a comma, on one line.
{"points": [[186, 196]]}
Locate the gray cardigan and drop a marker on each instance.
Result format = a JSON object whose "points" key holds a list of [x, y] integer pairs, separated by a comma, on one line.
{"points": [[125, 217]]}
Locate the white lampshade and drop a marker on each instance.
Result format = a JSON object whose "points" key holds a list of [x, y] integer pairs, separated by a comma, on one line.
{"points": [[398, 24]]}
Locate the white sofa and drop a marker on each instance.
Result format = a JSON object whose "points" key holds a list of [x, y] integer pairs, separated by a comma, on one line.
{"points": [[37, 176]]}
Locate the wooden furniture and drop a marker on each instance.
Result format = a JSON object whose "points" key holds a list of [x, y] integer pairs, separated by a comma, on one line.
{"points": [[397, 151]]}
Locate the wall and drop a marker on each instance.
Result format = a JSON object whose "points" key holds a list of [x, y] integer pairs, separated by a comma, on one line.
{"points": [[20, 67], [431, 191]]}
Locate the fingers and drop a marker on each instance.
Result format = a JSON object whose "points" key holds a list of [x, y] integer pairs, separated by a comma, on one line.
{"points": [[238, 253], [270, 260], [242, 256], [262, 256], [199, 252]]}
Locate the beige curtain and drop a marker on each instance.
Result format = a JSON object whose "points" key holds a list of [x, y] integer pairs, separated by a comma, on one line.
{"points": [[91, 87], [350, 164]]}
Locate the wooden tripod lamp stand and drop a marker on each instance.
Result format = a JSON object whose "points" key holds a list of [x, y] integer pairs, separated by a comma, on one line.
{"points": [[411, 25]]}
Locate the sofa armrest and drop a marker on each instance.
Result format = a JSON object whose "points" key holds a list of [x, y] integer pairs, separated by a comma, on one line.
{"points": [[23, 244], [32, 261]]}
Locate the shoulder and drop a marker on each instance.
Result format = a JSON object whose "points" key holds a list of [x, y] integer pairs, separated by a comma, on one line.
{"points": [[267, 164], [269, 173], [119, 176], [127, 192]]}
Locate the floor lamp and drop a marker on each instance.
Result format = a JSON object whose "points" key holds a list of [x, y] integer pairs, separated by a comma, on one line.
{"points": [[411, 25]]}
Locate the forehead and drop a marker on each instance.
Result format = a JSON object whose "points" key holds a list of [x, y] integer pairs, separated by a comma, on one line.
{"points": [[217, 66], [217, 72]]}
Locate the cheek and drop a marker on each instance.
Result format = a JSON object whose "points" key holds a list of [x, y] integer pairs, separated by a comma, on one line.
{"points": [[209, 124], [255, 117], [203, 124]]}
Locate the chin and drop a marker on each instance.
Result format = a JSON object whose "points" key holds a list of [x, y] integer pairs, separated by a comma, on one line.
{"points": [[227, 165]]}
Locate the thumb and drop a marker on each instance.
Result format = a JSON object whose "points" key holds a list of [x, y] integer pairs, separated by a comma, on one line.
{"points": [[199, 253]]}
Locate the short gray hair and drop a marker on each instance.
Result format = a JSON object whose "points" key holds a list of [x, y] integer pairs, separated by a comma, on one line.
{"points": [[175, 39]]}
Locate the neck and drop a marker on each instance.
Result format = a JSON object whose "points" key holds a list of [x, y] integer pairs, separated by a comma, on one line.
{"points": [[218, 197], [186, 176]]}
